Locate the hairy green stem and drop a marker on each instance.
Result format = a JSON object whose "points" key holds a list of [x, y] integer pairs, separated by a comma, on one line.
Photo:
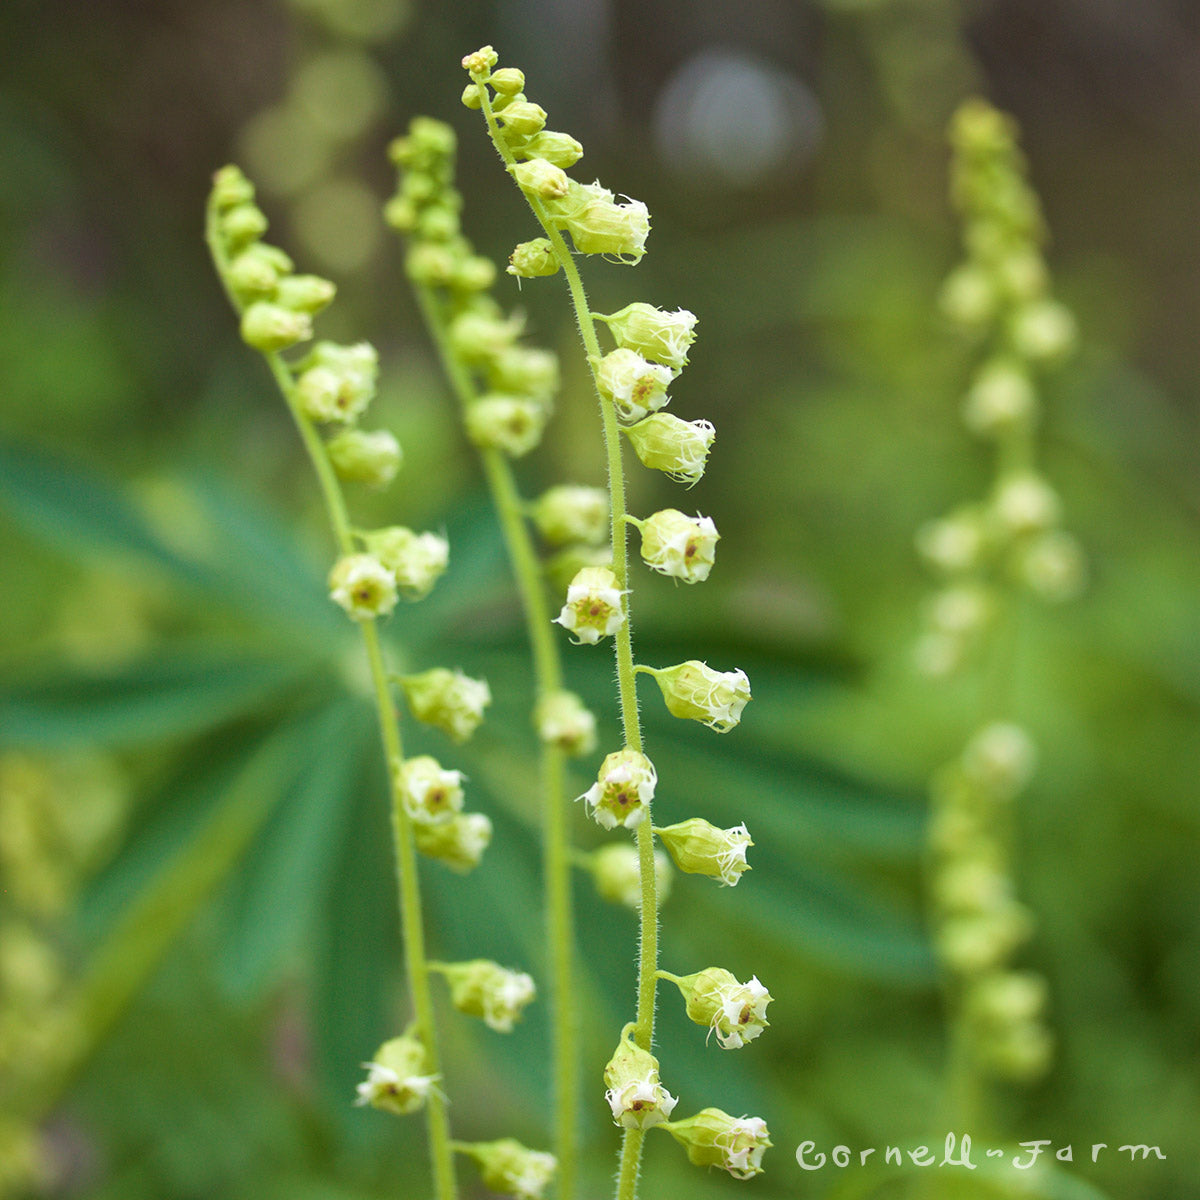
{"points": [[631, 1149], [407, 878], [560, 934]]}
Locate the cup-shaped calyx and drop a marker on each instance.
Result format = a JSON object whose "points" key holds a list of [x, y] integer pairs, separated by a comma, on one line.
{"points": [[678, 545], [634, 1094], [735, 1012], [484, 989], [623, 789], [701, 848], [712, 1138]]}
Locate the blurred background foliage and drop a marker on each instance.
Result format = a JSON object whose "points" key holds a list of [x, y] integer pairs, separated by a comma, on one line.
{"points": [[197, 940]]}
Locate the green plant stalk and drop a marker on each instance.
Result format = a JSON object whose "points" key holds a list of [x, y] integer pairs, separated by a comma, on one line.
{"points": [[408, 882], [548, 675], [631, 1148]]}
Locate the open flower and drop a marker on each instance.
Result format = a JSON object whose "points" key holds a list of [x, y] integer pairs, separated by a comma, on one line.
{"points": [[484, 989], [431, 795], [700, 848], [397, 1079], [735, 1012], [678, 545], [623, 789], [713, 1138], [449, 700], [594, 607], [637, 1099], [363, 586], [511, 1169], [635, 386]]}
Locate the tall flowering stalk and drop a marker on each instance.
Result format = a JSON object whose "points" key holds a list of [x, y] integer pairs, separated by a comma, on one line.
{"points": [[990, 554], [631, 382], [327, 390], [504, 389]]}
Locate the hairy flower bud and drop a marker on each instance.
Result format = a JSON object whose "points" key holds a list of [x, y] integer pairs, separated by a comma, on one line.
{"points": [[508, 80], [562, 720], [522, 118], [735, 1012], [416, 560], [560, 149], [660, 336], [695, 692], [241, 225], [231, 188], [664, 442], [540, 178], [594, 607], [484, 989], [363, 586], [459, 842], [305, 293], [431, 795], [398, 1078], [449, 700], [634, 386], [623, 790], [571, 513], [678, 545], [271, 328], [533, 260], [637, 1099], [371, 458], [252, 275], [712, 1138], [617, 871], [700, 848], [507, 1167], [513, 424]]}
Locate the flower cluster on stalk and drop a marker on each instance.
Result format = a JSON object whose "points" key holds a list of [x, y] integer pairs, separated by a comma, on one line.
{"points": [[986, 554], [649, 350]]}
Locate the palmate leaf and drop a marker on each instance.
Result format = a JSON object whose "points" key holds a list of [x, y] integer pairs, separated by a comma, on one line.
{"points": [[172, 692]]}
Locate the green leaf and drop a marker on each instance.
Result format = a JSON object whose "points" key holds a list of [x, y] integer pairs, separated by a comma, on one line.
{"points": [[177, 691], [285, 878], [71, 506]]}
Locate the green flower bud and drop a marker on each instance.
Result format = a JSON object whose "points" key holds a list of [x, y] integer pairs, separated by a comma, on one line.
{"points": [[540, 178], [437, 223], [1021, 1052], [449, 700], [431, 264], [961, 611], [475, 274], [231, 188], [973, 883], [637, 1099], [558, 148], [968, 296], [695, 692], [431, 796], [484, 989], [713, 1138], [522, 118], [416, 560], [400, 214], [1052, 566], [617, 870], [1006, 998], [570, 513], [241, 225], [472, 96], [480, 62], [604, 227], [508, 80], [479, 335], [700, 848], [305, 293], [398, 1078], [594, 606], [533, 260], [363, 586], [1022, 273], [1000, 401], [562, 720], [663, 442], [270, 328], [680, 546], [371, 458], [1025, 503], [513, 424], [1044, 331], [459, 842], [507, 1167], [1001, 759], [252, 275], [735, 1012], [623, 790], [660, 336], [978, 942], [524, 371], [336, 383], [635, 386], [953, 544]]}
